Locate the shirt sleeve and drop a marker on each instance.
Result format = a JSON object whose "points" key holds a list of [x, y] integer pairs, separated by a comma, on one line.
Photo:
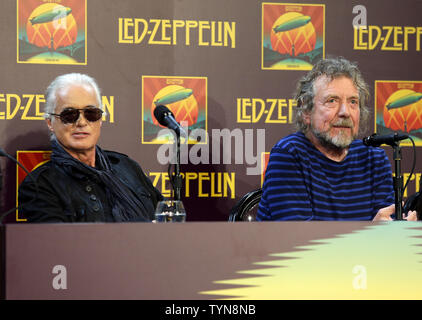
{"points": [[285, 194], [156, 195], [39, 203]]}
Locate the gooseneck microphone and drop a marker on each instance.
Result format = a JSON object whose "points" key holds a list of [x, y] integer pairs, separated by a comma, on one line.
{"points": [[390, 139], [166, 118], [4, 154]]}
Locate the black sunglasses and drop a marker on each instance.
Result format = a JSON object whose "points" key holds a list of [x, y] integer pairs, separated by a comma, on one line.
{"points": [[71, 115]]}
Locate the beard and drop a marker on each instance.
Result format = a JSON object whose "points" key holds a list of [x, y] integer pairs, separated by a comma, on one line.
{"points": [[340, 141]]}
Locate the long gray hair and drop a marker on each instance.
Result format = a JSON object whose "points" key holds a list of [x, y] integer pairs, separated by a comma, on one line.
{"points": [[332, 68]]}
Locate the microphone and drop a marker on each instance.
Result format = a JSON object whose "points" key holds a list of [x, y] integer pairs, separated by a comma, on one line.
{"points": [[390, 139], [4, 154], [166, 118]]}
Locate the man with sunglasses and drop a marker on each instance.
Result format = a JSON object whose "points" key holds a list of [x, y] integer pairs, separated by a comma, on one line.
{"points": [[82, 182]]}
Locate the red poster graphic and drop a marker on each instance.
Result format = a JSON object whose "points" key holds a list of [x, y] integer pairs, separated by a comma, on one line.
{"points": [[52, 32], [185, 97], [265, 157], [293, 35], [30, 160], [398, 108]]}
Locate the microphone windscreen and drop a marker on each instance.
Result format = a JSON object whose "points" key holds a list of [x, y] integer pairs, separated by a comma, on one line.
{"points": [[160, 112]]}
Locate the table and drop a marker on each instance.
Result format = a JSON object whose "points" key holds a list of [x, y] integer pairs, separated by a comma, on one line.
{"points": [[212, 260]]}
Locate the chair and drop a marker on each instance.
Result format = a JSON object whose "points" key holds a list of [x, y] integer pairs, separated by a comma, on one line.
{"points": [[414, 202], [246, 208]]}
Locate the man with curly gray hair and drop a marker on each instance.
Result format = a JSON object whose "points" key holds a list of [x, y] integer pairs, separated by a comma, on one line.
{"points": [[322, 172], [330, 69]]}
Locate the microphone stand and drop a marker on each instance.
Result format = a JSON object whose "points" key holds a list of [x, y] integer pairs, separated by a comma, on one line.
{"points": [[398, 181], [394, 141], [177, 179]]}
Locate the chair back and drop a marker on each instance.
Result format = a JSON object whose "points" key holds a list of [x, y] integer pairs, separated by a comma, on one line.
{"points": [[246, 208], [414, 202]]}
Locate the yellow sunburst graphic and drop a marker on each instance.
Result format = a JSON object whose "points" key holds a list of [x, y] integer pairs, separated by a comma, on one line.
{"points": [[406, 117], [184, 108], [383, 261], [52, 33], [297, 40]]}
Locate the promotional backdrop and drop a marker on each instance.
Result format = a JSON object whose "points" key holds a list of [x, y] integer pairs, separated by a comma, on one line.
{"points": [[226, 69]]}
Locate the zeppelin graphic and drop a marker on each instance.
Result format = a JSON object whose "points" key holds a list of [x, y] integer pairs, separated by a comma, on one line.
{"points": [[52, 33], [408, 99], [186, 97], [56, 13], [292, 36], [174, 96], [398, 108], [291, 24]]}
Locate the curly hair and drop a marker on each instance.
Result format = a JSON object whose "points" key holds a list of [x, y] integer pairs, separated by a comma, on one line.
{"points": [[332, 68]]}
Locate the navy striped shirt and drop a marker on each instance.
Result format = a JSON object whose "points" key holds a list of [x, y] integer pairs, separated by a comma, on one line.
{"points": [[303, 184]]}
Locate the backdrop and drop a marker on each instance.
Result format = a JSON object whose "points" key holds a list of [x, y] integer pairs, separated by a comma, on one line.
{"points": [[226, 69]]}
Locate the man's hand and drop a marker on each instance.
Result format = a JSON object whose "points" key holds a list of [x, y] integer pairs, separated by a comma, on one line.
{"points": [[411, 216], [384, 214]]}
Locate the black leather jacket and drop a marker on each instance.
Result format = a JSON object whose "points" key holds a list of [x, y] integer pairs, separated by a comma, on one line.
{"points": [[65, 198]]}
